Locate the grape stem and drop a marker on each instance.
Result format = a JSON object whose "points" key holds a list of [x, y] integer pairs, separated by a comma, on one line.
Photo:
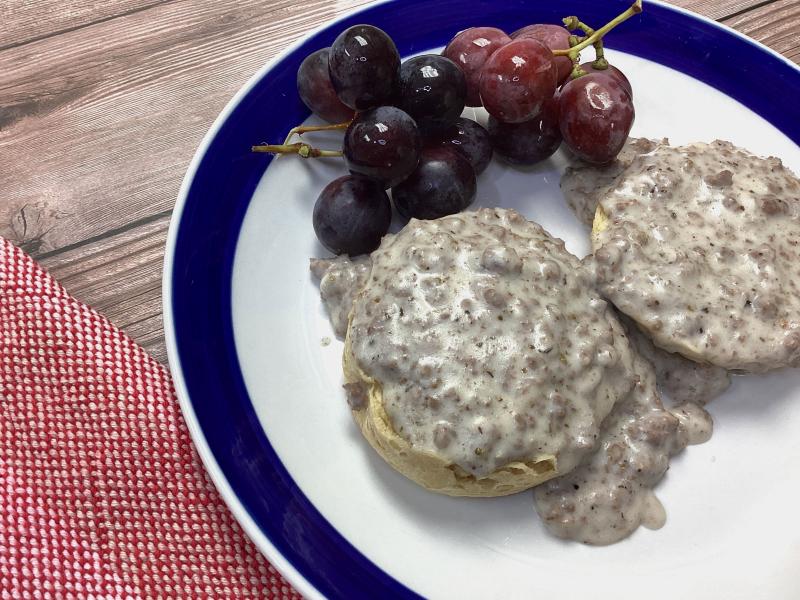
{"points": [[600, 63], [598, 34], [301, 129], [303, 150], [573, 23], [574, 40]]}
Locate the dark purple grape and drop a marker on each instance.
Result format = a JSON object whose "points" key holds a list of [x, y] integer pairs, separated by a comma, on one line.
{"points": [[596, 116], [469, 49], [613, 72], [432, 90], [517, 80], [529, 142], [363, 64], [351, 215], [468, 138], [554, 37], [316, 90], [383, 143], [443, 184]]}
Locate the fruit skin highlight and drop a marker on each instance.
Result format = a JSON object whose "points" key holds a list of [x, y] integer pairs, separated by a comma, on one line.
{"points": [[363, 65], [383, 143], [596, 116], [517, 80], [470, 49], [432, 90], [554, 37]]}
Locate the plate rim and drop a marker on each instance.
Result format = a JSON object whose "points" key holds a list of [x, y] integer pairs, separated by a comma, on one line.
{"points": [[217, 475]]}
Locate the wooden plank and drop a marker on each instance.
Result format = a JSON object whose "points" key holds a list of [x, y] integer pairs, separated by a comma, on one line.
{"points": [[718, 9], [776, 24], [22, 21], [125, 101], [120, 277]]}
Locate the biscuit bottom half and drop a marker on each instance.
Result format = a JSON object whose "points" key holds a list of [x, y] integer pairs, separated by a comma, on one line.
{"points": [[427, 469]]}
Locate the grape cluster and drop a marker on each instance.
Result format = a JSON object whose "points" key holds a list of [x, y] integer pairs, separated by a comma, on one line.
{"points": [[405, 132], [536, 97]]}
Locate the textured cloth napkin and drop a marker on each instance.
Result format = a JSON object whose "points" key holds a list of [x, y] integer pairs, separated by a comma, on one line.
{"points": [[102, 494]]}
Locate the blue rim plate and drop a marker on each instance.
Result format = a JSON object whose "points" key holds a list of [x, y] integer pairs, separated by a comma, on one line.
{"points": [[215, 195]]}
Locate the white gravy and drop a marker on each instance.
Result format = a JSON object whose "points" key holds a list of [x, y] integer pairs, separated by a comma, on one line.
{"points": [[489, 343], [490, 346], [611, 493], [702, 249]]}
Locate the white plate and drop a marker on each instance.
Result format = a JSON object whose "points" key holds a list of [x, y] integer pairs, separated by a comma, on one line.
{"points": [[732, 531]]}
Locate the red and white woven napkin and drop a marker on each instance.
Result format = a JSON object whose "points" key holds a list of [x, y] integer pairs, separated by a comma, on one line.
{"points": [[102, 494]]}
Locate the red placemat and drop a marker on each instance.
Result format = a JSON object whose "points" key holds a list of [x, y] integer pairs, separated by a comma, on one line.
{"points": [[101, 491]]}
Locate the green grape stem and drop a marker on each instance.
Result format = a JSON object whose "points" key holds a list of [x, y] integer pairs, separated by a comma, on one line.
{"points": [[595, 36], [573, 23], [301, 149], [574, 40], [301, 129]]}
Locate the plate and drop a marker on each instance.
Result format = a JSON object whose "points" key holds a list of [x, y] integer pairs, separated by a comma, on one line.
{"points": [[260, 387]]}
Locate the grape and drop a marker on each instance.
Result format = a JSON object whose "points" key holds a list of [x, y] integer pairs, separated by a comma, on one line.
{"points": [[517, 79], [612, 72], [363, 64], [443, 184], [383, 143], [316, 90], [469, 139], [529, 142], [596, 116], [432, 90], [554, 37], [351, 215], [469, 49]]}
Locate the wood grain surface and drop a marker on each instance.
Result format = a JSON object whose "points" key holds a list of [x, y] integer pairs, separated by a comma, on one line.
{"points": [[103, 102]]}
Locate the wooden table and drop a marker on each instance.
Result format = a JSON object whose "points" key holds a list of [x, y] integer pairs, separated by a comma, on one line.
{"points": [[103, 102]]}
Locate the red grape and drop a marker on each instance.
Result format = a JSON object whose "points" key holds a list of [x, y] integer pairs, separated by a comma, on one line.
{"points": [[613, 72], [554, 37], [351, 215], [469, 49], [517, 80], [382, 143], [596, 116], [363, 64], [468, 138], [432, 90], [529, 142], [443, 184], [316, 90]]}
